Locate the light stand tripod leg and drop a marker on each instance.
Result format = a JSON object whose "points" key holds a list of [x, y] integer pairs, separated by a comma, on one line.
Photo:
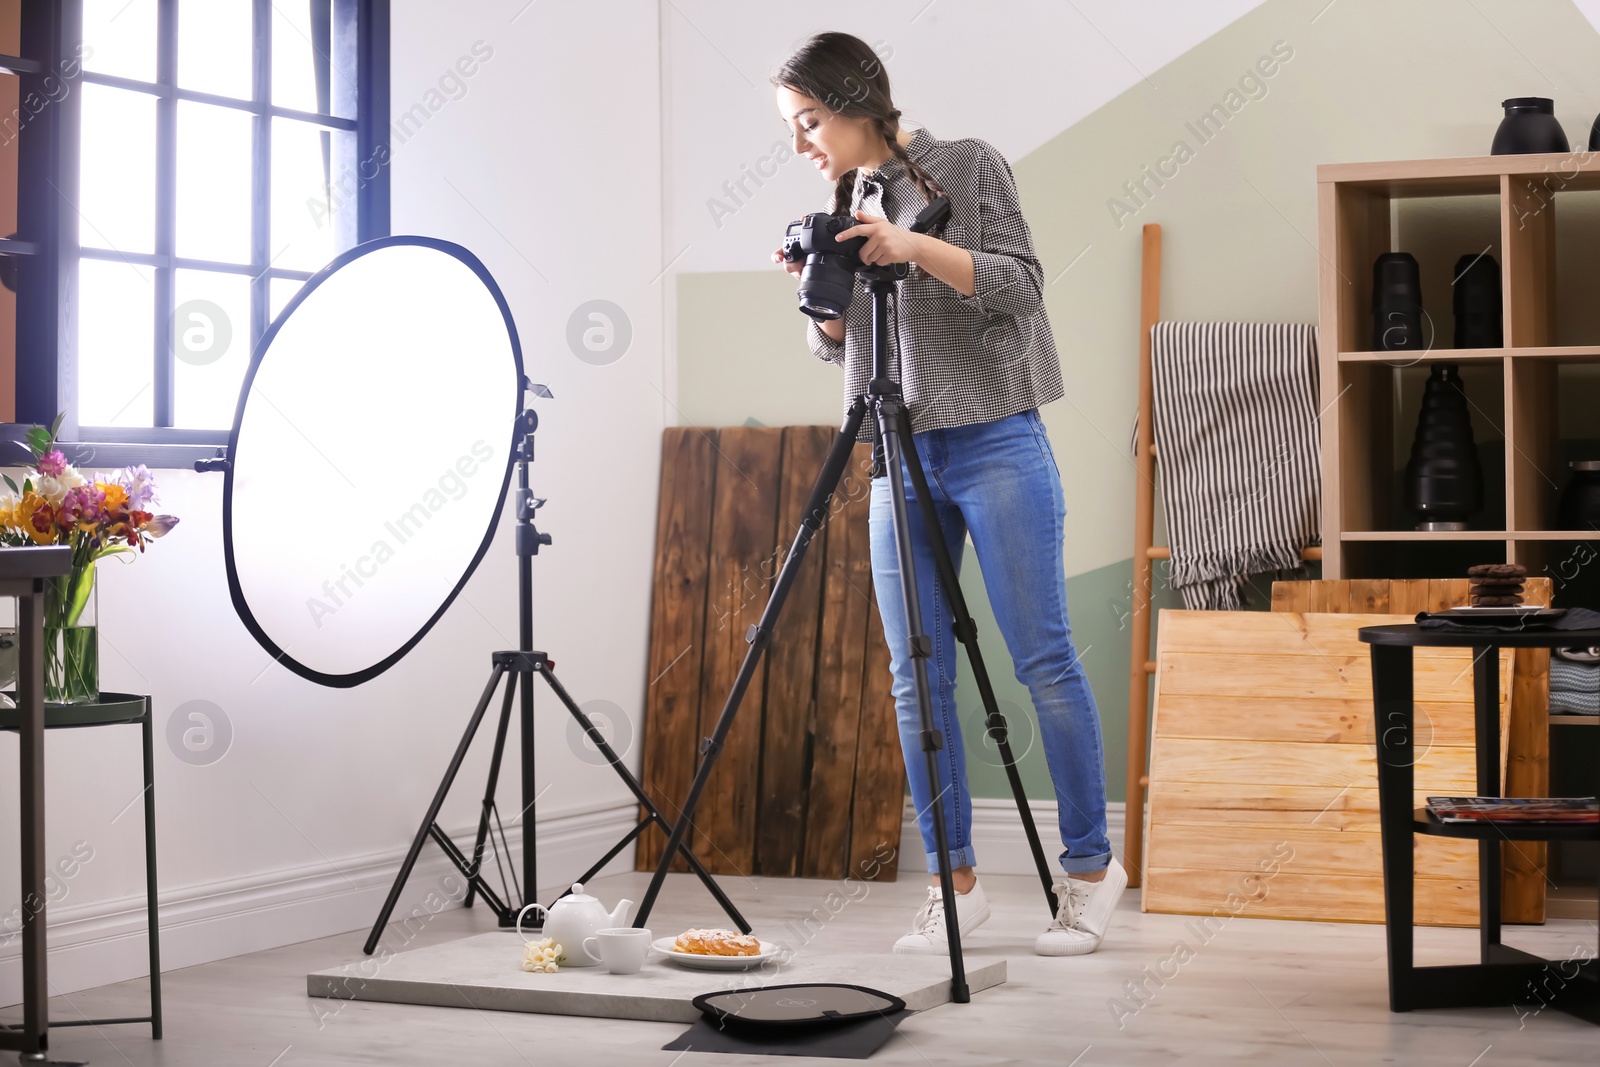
{"points": [[530, 887], [433, 811], [489, 789], [653, 814], [833, 468], [889, 429], [966, 631]]}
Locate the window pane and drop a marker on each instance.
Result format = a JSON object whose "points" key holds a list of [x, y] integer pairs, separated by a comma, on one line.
{"points": [[214, 46], [117, 170], [307, 215], [116, 341], [120, 36], [279, 292], [213, 182], [304, 59], [210, 346]]}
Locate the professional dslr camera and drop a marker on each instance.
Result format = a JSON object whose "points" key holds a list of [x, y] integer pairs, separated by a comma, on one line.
{"points": [[827, 282]]}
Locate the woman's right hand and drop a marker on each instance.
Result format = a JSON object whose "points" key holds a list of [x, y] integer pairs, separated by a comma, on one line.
{"points": [[793, 268]]}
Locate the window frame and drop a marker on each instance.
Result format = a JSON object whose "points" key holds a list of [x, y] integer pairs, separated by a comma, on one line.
{"points": [[48, 247]]}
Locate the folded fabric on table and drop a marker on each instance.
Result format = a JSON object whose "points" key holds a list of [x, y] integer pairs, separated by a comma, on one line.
{"points": [[1237, 441], [1574, 687]]}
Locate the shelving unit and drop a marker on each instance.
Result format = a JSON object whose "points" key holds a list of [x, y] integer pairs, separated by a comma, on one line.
{"points": [[1515, 388], [1507, 206]]}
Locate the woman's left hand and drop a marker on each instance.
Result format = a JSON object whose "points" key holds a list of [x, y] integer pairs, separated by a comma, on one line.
{"points": [[886, 242]]}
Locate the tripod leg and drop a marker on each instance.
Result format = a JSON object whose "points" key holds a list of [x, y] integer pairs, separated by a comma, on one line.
{"points": [[966, 631], [489, 789], [633, 785], [811, 521], [889, 427], [433, 811]]}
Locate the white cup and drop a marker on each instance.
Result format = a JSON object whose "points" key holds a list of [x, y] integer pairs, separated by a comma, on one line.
{"points": [[621, 948]]}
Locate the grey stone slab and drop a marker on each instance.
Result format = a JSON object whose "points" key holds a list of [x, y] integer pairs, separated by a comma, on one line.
{"points": [[485, 973]]}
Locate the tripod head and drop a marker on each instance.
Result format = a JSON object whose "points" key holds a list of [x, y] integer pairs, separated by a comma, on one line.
{"points": [[935, 215], [528, 536]]}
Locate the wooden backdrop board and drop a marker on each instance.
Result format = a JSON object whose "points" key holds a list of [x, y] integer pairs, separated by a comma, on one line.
{"points": [[744, 532], [841, 659], [677, 626], [791, 667], [1263, 773], [805, 784], [1527, 748]]}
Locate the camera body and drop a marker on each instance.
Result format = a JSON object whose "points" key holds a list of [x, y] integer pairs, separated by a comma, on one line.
{"points": [[815, 235]]}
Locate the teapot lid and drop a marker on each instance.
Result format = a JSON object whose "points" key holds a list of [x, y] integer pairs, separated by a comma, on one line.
{"points": [[578, 896]]}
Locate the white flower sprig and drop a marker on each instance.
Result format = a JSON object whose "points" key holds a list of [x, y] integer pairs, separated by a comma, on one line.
{"points": [[542, 957]]}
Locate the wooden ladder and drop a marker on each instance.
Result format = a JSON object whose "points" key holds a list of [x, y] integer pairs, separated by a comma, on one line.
{"points": [[1145, 553]]}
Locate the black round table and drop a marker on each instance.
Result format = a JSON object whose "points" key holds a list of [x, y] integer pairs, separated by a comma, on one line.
{"points": [[1505, 976]]}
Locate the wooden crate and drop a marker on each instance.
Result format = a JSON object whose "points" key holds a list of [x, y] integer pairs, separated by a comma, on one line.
{"points": [[810, 782], [1527, 748], [1263, 773]]}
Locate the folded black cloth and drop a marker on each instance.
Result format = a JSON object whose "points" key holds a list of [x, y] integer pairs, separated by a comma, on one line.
{"points": [[1573, 619]]}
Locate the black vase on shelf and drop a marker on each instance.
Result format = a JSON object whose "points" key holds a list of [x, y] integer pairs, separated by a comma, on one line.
{"points": [[1476, 302], [1444, 480], [1529, 126], [1396, 304], [1580, 500]]}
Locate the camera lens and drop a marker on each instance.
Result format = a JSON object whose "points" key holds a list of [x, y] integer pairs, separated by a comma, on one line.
{"points": [[826, 286]]}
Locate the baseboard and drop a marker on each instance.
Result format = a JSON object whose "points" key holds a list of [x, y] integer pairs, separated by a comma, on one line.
{"points": [[999, 840], [102, 942]]}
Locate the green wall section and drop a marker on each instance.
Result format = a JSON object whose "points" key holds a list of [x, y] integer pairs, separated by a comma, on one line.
{"points": [[742, 354], [1223, 154]]}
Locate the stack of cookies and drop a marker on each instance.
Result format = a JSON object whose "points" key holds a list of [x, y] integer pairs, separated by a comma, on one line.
{"points": [[1496, 585]]}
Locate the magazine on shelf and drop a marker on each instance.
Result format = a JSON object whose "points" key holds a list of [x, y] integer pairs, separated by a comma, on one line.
{"points": [[1514, 809]]}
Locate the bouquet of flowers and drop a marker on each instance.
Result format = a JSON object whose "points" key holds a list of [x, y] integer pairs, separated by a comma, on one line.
{"points": [[99, 515]]}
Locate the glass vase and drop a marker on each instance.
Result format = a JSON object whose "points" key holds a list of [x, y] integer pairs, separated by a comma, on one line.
{"points": [[71, 638]]}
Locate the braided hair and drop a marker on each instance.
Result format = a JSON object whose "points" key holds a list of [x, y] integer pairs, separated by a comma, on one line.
{"points": [[846, 75]]}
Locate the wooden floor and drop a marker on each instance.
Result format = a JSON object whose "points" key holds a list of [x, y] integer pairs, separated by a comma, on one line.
{"points": [[1257, 992]]}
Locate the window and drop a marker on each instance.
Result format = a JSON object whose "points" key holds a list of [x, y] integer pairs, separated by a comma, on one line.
{"points": [[193, 162]]}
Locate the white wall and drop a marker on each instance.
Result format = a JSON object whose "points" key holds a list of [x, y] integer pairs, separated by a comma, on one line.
{"points": [[547, 168], [1015, 74]]}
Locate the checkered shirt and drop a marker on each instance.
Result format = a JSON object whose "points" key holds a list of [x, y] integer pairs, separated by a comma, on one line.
{"points": [[959, 359]]}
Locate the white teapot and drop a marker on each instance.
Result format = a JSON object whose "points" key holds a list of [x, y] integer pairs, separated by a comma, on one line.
{"points": [[574, 918]]}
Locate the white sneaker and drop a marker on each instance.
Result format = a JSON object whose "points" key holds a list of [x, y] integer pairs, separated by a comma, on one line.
{"points": [[928, 936], [1084, 913]]}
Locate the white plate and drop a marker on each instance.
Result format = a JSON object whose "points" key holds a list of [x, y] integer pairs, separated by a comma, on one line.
{"points": [[698, 962]]}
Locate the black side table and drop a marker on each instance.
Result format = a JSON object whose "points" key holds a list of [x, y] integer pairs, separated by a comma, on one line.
{"points": [[116, 709], [1505, 976]]}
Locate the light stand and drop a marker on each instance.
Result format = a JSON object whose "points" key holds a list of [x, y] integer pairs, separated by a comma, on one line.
{"points": [[883, 398], [519, 668]]}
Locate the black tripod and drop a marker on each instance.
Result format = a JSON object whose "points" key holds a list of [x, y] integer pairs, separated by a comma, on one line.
{"points": [[519, 668], [883, 398]]}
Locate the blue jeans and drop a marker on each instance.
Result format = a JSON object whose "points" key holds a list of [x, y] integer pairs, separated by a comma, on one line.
{"points": [[997, 480]]}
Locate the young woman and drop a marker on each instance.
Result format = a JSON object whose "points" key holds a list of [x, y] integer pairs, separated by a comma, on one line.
{"points": [[975, 357]]}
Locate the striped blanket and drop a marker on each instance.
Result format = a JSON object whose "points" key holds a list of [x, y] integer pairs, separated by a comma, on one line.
{"points": [[1237, 439]]}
